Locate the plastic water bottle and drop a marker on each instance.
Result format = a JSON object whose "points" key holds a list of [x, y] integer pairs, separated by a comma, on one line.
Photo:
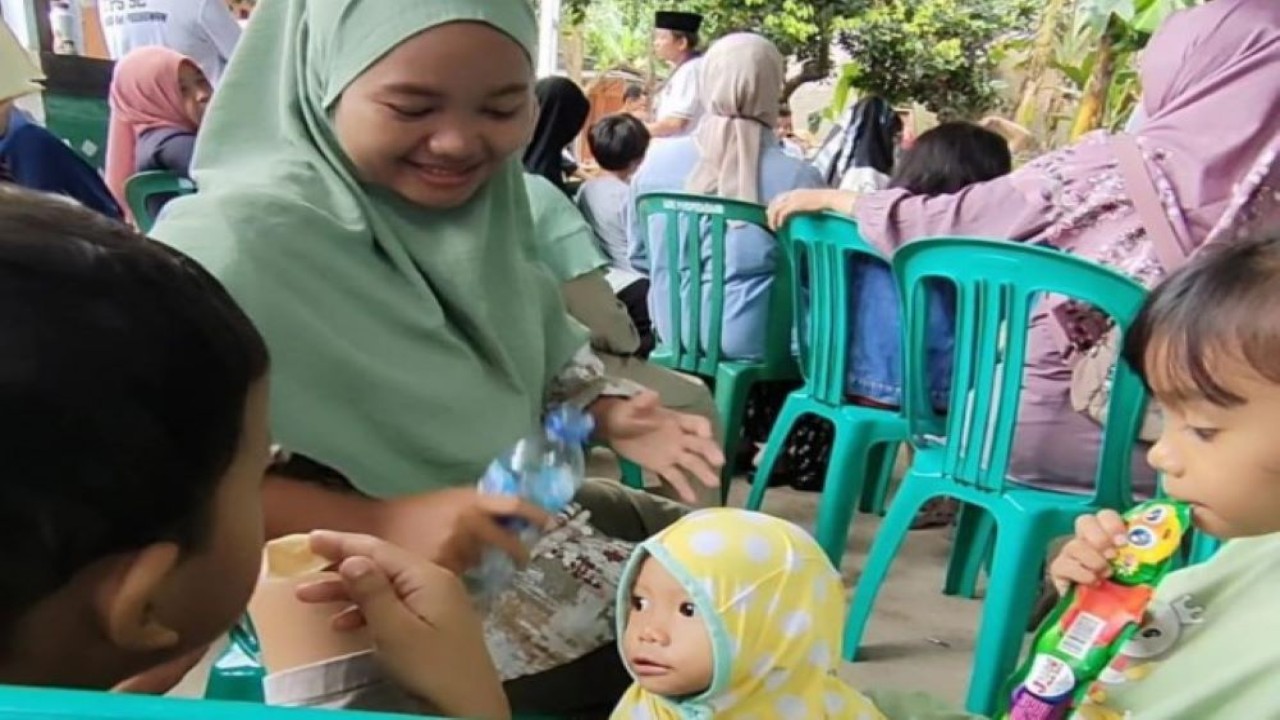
{"points": [[546, 469]]}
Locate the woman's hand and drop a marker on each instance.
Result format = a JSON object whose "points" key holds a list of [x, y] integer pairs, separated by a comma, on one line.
{"points": [[424, 629], [1086, 560], [452, 528], [803, 201], [671, 444]]}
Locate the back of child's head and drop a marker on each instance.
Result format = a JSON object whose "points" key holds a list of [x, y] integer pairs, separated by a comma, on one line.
{"points": [[1219, 310], [618, 142], [124, 379], [951, 157]]}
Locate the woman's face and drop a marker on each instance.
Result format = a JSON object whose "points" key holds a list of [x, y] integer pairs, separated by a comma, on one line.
{"points": [[436, 117], [196, 91]]}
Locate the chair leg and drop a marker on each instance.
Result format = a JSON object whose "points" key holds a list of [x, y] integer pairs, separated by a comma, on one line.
{"points": [[731, 403], [971, 549], [842, 488], [896, 525], [792, 410], [1015, 582], [875, 494]]}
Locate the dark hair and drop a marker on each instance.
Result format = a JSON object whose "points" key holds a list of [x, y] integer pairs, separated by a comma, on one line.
{"points": [[951, 157], [1223, 304], [634, 92], [618, 141], [124, 373]]}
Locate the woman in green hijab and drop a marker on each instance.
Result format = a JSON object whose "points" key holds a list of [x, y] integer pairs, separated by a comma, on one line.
{"points": [[361, 197]]}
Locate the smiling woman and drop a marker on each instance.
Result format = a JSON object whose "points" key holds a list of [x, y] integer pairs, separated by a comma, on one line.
{"points": [[433, 125], [374, 224]]}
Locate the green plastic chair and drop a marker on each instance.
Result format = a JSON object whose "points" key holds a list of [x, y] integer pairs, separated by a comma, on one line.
{"points": [[81, 123], [965, 455], [866, 440], [142, 187], [703, 217]]}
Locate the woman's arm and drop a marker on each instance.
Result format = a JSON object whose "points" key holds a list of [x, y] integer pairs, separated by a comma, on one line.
{"points": [[591, 302], [300, 506], [892, 218]]}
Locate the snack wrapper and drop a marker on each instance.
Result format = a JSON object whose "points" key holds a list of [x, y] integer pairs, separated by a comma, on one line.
{"points": [[1091, 624]]}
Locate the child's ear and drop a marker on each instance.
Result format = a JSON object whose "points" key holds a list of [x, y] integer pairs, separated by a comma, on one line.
{"points": [[126, 602]]}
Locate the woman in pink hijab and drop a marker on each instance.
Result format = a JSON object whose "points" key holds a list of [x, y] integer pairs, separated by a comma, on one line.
{"points": [[158, 98], [1212, 102]]}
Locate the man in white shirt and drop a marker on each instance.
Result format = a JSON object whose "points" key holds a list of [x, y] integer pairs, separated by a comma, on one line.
{"points": [[679, 103], [203, 30]]}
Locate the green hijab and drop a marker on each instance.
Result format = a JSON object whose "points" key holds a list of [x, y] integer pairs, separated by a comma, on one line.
{"points": [[409, 346]]}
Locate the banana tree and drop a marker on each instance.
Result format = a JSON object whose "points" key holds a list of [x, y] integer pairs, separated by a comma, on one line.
{"points": [[1119, 29]]}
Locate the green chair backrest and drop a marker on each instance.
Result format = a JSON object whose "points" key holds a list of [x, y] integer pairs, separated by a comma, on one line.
{"points": [[820, 247], [80, 122], [142, 187], [998, 285], [692, 220], [24, 703]]}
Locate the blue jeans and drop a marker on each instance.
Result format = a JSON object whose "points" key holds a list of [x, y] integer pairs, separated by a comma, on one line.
{"points": [[875, 336]]}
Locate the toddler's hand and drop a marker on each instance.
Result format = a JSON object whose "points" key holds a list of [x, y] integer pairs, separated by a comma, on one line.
{"points": [[1086, 560], [424, 628]]}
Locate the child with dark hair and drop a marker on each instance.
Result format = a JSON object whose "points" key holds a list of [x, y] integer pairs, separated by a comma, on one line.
{"points": [[619, 144], [1207, 343], [945, 159], [131, 508]]}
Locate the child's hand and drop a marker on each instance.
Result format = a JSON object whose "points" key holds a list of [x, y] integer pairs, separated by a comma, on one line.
{"points": [[803, 201], [1086, 560], [424, 629]]}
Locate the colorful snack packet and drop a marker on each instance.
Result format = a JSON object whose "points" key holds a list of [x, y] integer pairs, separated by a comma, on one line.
{"points": [[1092, 623]]}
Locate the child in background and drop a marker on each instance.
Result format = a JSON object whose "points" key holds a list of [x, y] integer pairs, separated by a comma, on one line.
{"points": [[733, 614], [131, 501], [619, 144], [1207, 342]]}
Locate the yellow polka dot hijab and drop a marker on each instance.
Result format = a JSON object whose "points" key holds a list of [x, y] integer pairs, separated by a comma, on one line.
{"points": [[774, 608]]}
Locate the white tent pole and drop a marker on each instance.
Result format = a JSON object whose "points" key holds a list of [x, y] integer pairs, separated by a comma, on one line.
{"points": [[548, 37]]}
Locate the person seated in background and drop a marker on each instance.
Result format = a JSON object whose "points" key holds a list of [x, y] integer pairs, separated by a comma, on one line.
{"points": [[734, 155], [619, 144], [158, 98], [35, 157], [635, 101], [132, 499], [562, 111], [786, 132]]}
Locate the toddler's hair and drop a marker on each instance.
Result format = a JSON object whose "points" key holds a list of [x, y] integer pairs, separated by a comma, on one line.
{"points": [[951, 157], [1223, 304], [618, 141], [124, 371]]}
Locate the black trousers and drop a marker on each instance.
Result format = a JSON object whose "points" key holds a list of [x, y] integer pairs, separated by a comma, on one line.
{"points": [[636, 298]]}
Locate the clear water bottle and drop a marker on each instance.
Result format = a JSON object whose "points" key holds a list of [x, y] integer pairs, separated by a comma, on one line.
{"points": [[546, 469]]}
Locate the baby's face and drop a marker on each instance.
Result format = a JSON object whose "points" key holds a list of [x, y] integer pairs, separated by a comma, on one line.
{"points": [[666, 643]]}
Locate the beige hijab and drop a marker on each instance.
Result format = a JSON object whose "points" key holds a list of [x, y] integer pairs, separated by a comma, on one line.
{"points": [[742, 78], [18, 72]]}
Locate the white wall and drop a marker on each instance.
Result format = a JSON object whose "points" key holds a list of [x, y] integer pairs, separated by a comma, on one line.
{"points": [[18, 17]]}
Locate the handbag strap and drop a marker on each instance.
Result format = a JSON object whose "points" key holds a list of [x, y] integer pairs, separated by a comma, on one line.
{"points": [[1146, 200]]}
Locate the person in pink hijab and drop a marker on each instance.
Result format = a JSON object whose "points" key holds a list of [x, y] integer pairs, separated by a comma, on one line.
{"points": [[1212, 104], [158, 98]]}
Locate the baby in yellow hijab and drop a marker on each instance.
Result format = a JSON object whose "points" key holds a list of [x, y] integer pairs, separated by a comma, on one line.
{"points": [[736, 615]]}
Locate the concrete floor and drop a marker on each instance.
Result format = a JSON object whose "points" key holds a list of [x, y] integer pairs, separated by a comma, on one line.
{"points": [[918, 639]]}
